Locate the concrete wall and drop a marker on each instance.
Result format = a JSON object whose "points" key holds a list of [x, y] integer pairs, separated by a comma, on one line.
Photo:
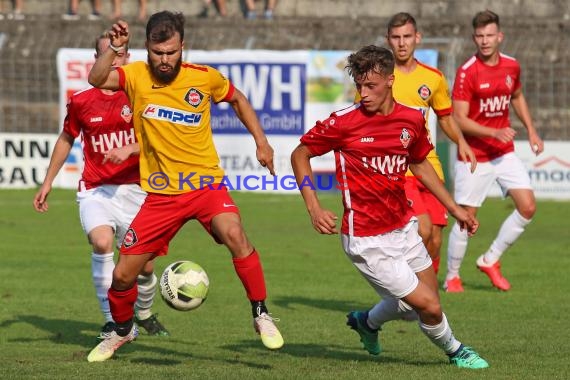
{"points": [[459, 10]]}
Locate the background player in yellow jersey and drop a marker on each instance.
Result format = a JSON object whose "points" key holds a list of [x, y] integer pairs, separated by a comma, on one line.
{"points": [[171, 112], [421, 86]]}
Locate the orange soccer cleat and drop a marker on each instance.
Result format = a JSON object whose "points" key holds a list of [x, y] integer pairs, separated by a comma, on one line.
{"points": [[453, 285], [494, 274]]}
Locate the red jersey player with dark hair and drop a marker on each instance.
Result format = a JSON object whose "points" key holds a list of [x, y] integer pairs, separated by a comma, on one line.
{"points": [[485, 88], [374, 142], [109, 193]]}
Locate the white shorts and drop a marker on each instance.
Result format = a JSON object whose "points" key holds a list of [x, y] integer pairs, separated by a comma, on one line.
{"points": [[389, 262], [110, 205], [471, 189]]}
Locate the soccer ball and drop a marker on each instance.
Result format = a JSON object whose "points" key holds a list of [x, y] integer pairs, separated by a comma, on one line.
{"points": [[184, 285]]}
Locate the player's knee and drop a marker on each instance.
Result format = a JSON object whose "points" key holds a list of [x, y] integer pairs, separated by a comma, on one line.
{"points": [[123, 279], [528, 210], [431, 313], [234, 236], [102, 244], [148, 268], [436, 241]]}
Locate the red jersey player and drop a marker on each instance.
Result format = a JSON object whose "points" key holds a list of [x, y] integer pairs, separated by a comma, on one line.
{"points": [[375, 141], [109, 194], [485, 88]]}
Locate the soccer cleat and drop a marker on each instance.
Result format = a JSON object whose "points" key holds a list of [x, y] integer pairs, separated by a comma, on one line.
{"points": [[106, 330], [107, 347], [466, 357], [270, 336], [494, 274], [453, 285], [369, 338], [152, 326]]}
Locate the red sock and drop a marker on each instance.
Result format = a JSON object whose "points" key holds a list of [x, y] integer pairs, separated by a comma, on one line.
{"points": [[122, 303], [250, 273], [435, 263]]}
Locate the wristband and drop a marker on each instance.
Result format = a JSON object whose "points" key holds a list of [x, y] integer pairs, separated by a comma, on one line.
{"points": [[117, 49]]}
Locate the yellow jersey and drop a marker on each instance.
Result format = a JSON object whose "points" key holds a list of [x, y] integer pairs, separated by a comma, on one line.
{"points": [[423, 88], [172, 124]]}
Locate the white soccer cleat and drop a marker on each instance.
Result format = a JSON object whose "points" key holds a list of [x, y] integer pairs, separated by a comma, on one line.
{"points": [[270, 336], [107, 347]]}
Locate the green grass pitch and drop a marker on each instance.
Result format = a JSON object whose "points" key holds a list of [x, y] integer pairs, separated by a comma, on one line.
{"points": [[49, 315]]}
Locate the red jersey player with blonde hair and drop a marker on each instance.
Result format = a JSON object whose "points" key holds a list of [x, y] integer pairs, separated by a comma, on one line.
{"points": [[485, 88], [109, 194], [374, 142]]}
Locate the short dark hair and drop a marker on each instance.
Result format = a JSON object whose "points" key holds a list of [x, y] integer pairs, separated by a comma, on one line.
{"points": [[485, 18], [370, 58], [401, 19], [163, 25]]}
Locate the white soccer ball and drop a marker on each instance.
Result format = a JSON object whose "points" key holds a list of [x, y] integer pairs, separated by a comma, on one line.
{"points": [[184, 285]]}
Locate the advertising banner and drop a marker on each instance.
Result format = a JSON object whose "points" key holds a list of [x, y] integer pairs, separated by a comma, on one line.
{"points": [[24, 159]]}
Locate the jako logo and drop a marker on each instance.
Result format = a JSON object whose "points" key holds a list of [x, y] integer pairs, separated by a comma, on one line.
{"points": [[189, 119], [367, 139]]}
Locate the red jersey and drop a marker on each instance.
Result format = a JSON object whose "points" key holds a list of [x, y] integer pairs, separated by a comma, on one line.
{"points": [[488, 91], [104, 122], [372, 153]]}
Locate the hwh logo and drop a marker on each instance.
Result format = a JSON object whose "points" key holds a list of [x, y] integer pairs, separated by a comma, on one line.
{"points": [[106, 142], [495, 104], [386, 164]]}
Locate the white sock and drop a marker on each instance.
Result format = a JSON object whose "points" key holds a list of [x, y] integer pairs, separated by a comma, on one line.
{"points": [[456, 249], [389, 309], [510, 231], [102, 266], [147, 288], [442, 336]]}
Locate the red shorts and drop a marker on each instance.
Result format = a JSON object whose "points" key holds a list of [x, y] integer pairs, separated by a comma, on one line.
{"points": [[424, 202], [162, 215]]}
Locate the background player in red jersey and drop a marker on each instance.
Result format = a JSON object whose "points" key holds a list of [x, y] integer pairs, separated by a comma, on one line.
{"points": [[425, 88], [109, 193], [172, 102], [374, 142], [485, 88]]}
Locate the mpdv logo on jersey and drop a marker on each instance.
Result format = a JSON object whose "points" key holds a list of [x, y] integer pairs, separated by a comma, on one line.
{"points": [[189, 119]]}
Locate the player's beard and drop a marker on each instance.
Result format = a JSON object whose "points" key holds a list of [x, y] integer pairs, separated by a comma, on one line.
{"points": [[165, 77]]}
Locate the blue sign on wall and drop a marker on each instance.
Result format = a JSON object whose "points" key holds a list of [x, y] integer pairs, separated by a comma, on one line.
{"points": [[276, 92]]}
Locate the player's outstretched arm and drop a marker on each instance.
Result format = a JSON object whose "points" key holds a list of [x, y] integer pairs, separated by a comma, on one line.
{"points": [[324, 221], [245, 112], [102, 75], [60, 152]]}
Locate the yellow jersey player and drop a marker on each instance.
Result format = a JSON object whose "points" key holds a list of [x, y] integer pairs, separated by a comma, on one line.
{"points": [[423, 87], [179, 168]]}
